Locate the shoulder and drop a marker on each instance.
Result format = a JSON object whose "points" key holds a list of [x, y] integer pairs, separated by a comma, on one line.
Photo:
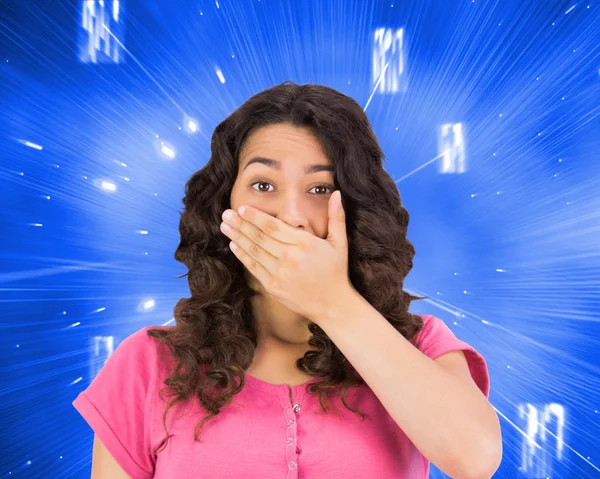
{"points": [[140, 342], [145, 351], [119, 402], [139, 361], [436, 339], [141, 338], [141, 345]]}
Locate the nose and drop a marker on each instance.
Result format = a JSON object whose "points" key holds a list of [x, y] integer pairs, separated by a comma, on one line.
{"points": [[292, 211]]}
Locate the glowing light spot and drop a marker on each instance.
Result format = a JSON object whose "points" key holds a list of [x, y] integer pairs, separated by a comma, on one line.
{"points": [[107, 186], [30, 144], [167, 151], [220, 75]]}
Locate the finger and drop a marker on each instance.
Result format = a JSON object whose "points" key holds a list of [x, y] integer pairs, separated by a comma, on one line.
{"points": [[257, 269], [250, 248], [258, 236], [270, 225]]}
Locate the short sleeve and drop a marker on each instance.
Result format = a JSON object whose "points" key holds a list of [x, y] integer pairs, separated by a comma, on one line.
{"points": [[435, 339], [118, 405]]}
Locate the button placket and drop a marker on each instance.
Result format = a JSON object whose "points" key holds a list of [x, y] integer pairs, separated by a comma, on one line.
{"points": [[291, 447], [291, 431]]}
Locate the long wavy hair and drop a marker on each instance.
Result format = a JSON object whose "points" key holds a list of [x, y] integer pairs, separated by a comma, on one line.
{"points": [[214, 339]]}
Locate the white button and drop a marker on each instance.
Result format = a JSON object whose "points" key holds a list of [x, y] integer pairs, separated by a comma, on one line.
{"points": [[292, 465], [296, 407], [290, 440], [290, 423]]}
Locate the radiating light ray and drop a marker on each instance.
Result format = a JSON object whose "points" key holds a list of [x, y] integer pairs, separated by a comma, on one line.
{"points": [[517, 428], [376, 86], [21, 275], [150, 76], [402, 178]]}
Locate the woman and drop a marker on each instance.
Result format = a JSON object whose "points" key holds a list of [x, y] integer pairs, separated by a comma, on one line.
{"points": [[296, 355]]}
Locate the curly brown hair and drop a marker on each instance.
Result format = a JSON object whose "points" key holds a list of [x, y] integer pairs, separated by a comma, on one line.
{"points": [[215, 337]]}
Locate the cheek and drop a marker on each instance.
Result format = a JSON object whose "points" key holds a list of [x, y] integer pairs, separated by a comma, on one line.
{"points": [[321, 227], [235, 197], [241, 194]]}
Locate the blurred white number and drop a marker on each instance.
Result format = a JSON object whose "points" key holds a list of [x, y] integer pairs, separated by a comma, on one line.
{"points": [[536, 458], [452, 149], [388, 49], [101, 348], [101, 27]]}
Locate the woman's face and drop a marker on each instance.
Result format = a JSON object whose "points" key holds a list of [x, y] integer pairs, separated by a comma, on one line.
{"points": [[284, 172]]}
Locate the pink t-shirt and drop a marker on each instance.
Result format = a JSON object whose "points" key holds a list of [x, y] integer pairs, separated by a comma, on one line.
{"points": [[264, 434]]}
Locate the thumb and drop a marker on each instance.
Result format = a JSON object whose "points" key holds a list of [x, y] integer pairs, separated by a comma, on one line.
{"points": [[336, 231]]}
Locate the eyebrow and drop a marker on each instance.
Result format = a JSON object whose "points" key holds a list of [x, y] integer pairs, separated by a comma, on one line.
{"points": [[277, 165]]}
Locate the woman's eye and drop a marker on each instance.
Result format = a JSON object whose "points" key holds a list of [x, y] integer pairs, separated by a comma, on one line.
{"points": [[260, 183], [321, 189]]}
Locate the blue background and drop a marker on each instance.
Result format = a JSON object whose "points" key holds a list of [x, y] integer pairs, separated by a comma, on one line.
{"points": [[508, 252]]}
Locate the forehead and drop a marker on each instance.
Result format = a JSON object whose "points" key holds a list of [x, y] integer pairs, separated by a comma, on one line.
{"points": [[283, 142]]}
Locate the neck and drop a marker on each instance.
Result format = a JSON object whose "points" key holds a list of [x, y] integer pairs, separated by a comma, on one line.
{"points": [[282, 339], [278, 325]]}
